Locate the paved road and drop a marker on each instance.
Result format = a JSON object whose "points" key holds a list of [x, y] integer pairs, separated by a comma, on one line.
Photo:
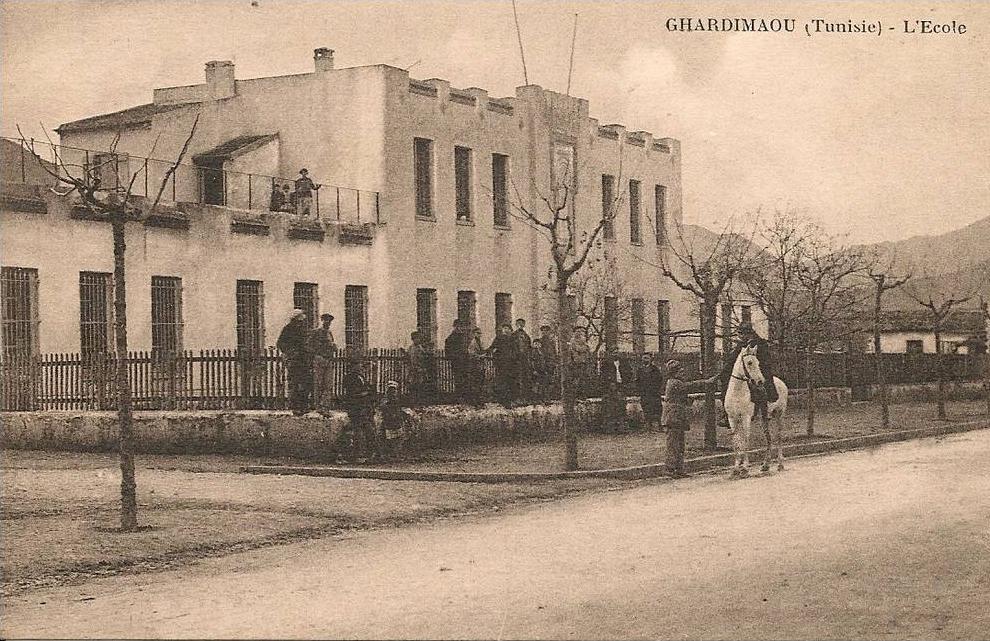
{"points": [[888, 543]]}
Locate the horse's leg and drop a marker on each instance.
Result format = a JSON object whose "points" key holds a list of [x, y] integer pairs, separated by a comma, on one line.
{"points": [[779, 429], [765, 422], [743, 435]]}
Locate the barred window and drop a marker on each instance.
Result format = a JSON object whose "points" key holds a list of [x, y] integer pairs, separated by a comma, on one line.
{"points": [[426, 314], [19, 311], [166, 315], [462, 182], [608, 206], [638, 313], [503, 310], [95, 313], [467, 308], [660, 196], [500, 189], [635, 231], [423, 168], [250, 315], [663, 325], [306, 296], [356, 317], [611, 323]]}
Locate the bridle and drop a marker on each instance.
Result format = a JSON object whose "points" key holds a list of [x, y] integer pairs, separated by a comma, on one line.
{"points": [[747, 377]]}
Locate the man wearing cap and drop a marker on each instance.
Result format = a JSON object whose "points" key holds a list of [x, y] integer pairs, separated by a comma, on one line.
{"points": [[292, 342], [323, 348], [676, 413], [748, 336], [304, 192]]}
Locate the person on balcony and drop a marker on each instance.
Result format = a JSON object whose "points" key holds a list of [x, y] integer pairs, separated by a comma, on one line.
{"points": [[304, 192], [292, 342]]}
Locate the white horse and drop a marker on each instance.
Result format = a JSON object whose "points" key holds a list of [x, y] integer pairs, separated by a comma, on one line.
{"points": [[740, 408]]}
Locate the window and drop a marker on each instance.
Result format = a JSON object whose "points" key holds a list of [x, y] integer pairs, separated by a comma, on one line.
{"points": [[462, 182], [663, 325], [638, 313], [746, 314], [467, 308], [19, 311], [635, 233], [306, 296], [503, 310], [611, 327], [660, 196], [500, 189], [250, 315], [356, 318], [915, 347], [426, 314], [95, 315], [423, 168], [608, 206], [111, 170], [726, 328], [166, 315]]}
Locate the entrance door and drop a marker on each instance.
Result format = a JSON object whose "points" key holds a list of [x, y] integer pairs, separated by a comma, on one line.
{"points": [[211, 178]]}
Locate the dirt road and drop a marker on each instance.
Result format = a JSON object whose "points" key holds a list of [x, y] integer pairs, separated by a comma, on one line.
{"points": [[893, 542]]}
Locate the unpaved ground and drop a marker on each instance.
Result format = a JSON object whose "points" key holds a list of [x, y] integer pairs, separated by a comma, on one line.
{"points": [[886, 543]]}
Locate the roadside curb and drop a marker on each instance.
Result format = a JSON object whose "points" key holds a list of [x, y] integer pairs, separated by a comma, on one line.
{"points": [[651, 470]]}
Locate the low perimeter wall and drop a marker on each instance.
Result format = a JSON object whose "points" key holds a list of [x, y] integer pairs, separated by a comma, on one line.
{"points": [[312, 436], [927, 392]]}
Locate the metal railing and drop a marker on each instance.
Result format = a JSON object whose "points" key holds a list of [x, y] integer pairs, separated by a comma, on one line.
{"points": [[118, 172]]}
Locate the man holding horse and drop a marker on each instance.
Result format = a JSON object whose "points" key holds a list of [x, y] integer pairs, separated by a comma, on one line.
{"points": [[747, 336]]}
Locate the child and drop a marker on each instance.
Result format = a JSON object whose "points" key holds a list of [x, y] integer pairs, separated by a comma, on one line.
{"points": [[394, 419], [676, 417]]}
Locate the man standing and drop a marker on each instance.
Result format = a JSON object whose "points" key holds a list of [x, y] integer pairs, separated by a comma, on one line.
{"points": [[455, 349], [503, 351], [613, 395], [298, 362], [304, 192], [421, 369], [676, 418], [650, 383], [359, 400], [748, 336], [523, 367], [324, 348]]}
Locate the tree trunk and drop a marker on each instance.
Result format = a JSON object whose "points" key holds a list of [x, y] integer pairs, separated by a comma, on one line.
{"points": [[809, 376], [128, 485], [708, 311], [939, 373], [878, 357], [568, 400], [986, 358]]}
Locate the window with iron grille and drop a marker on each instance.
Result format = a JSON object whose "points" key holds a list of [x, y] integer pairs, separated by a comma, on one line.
{"points": [[462, 182], [356, 317], [95, 313], [426, 314], [166, 315], [638, 313], [635, 231], [500, 189], [746, 314], [19, 312], [467, 308], [663, 325], [608, 206], [306, 296], [660, 196], [611, 323], [250, 315], [423, 168], [726, 328], [503, 310]]}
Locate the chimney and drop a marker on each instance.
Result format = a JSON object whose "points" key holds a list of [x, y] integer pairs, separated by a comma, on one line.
{"points": [[220, 79], [323, 59]]}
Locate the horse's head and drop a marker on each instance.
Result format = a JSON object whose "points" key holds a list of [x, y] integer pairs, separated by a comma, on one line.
{"points": [[749, 365]]}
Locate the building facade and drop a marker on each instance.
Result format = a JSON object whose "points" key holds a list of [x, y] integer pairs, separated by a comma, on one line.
{"points": [[420, 218]]}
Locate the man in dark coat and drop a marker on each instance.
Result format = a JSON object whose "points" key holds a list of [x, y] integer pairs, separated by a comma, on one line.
{"points": [[747, 336], [523, 375], [293, 344], [676, 418], [455, 349], [504, 358], [359, 401], [613, 377], [650, 381]]}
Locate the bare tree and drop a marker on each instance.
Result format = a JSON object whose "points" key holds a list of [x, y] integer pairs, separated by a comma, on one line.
{"points": [[881, 274], [705, 267], [939, 306], [119, 206], [601, 304]]}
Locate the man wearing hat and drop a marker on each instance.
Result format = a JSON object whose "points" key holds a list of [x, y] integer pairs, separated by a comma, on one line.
{"points": [[676, 413], [304, 192], [292, 342], [747, 336], [323, 348]]}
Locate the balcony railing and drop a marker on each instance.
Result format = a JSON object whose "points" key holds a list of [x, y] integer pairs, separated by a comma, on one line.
{"points": [[143, 176]]}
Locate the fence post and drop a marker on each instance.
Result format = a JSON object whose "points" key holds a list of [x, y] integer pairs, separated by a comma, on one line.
{"points": [[338, 204], [250, 201], [378, 213], [173, 187], [317, 198], [23, 174], [358, 205]]}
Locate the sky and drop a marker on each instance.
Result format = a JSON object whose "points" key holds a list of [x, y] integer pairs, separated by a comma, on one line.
{"points": [[878, 137]]}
